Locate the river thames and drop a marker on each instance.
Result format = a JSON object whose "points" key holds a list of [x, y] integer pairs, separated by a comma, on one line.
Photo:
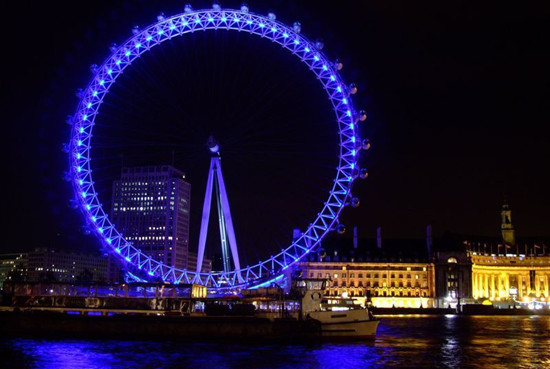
{"points": [[406, 342]]}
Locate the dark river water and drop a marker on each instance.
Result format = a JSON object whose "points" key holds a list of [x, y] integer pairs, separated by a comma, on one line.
{"points": [[402, 342]]}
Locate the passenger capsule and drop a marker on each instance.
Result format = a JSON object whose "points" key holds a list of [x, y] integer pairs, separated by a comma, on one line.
{"points": [[271, 16], [355, 202], [338, 64], [244, 8], [362, 115], [113, 47], [160, 17], [365, 144], [216, 6], [340, 228], [353, 89], [363, 173], [319, 44], [188, 8], [297, 27]]}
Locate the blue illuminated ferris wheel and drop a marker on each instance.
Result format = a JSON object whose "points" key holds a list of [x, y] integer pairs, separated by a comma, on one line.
{"points": [[166, 28]]}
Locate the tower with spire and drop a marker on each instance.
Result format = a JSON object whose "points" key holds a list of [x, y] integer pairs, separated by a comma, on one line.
{"points": [[506, 228]]}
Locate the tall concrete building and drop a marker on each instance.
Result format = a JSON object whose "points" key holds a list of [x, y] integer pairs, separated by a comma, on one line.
{"points": [[150, 207]]}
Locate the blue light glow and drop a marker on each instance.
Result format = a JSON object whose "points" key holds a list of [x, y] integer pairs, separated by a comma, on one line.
{"points": [[88, 108]]}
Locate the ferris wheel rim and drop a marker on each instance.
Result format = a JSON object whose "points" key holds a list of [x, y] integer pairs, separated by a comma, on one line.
{"points": [[105, 75]]}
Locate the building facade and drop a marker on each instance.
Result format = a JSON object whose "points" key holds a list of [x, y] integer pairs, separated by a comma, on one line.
{"points": [[453, 276], [12, 263], [151, 208], [386, 284], [511, 277], [510, 269], [392, 273], [62, 266]]}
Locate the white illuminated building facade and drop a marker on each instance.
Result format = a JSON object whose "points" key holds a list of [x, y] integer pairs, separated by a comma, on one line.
{"points": [[150, 206]]}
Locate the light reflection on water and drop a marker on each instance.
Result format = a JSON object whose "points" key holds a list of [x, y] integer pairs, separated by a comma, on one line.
{"points": [[437, 341]]}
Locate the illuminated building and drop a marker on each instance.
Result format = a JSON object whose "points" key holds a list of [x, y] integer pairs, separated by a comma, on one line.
{"points": [[9, 263], [399, 274], [510, 269], [150, 207], [453, 274], [62, 266]]}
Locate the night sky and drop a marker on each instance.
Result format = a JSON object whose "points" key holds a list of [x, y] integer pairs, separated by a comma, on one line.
{"points": [[457, 97]]}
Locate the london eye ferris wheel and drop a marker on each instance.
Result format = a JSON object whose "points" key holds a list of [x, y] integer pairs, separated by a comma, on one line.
{"points": [[346, 119]]}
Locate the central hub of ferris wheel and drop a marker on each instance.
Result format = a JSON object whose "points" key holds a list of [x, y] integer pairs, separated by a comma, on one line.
{"points": [[227, 231]]}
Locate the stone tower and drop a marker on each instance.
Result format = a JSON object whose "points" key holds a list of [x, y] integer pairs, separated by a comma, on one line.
{"points": [[506, 228]]}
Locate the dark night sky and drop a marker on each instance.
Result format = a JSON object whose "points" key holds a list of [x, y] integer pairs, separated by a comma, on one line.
{"points": [[457, 95]]}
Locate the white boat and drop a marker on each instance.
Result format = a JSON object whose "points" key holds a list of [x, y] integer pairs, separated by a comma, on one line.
{"points": [[341, 318]]}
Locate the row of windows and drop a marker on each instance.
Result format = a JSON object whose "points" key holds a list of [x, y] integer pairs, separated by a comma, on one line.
{"points": [[370, 267], [360, 275], [377, 293], [376, 284]]}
